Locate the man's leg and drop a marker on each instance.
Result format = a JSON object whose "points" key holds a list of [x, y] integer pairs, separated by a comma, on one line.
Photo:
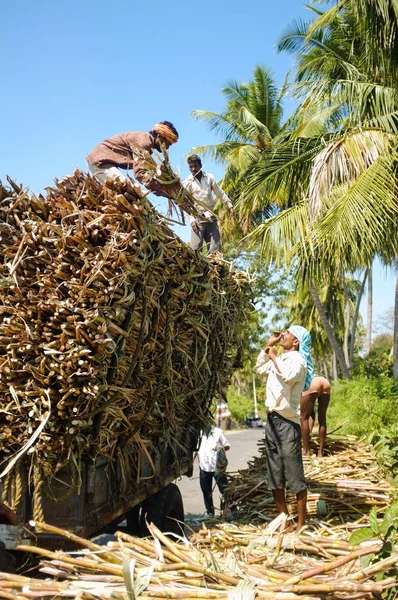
{"points": [[311, 421], [293, 462], [280, 501], [275, 469], [214, 237], [301, 509], [323, 403], [104, 175], [306, 407], [206, 485], [197, 238], [222, 482]]}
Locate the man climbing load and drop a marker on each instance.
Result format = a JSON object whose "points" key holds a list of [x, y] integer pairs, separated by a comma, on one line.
{"points": [[118, 152]]}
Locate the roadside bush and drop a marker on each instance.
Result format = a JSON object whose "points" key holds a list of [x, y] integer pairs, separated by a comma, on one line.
{"points": [[241, 406], [379, 360], [367, 404], [385, 442]]}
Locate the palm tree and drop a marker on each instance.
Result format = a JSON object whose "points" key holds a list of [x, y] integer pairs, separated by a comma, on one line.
{"points": [[341, 143], [248, 126], [322, 192]]}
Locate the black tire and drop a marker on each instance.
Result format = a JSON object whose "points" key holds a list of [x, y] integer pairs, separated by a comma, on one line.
{"points": [[165, 510], [133, 521], [7, 560]]}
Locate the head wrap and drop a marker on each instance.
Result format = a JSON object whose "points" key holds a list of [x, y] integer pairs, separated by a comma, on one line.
{"points": [[165, 132], [304, 338]]}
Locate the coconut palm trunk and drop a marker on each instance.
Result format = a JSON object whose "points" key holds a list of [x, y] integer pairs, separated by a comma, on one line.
{"points": [[356, 316], [395, 347], [347, 322], [329, 332], [369, 313]]}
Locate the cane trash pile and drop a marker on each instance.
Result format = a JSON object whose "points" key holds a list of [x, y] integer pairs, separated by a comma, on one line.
{"points": [[342, 486], [113, 332], [333, 558]]}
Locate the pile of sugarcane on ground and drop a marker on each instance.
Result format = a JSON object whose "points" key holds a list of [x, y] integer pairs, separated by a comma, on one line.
{"points": [[113, 333], [343, 485], [231, 562]]}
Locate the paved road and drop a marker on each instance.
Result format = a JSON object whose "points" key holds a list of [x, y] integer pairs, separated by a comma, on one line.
{"points": [[243, 448]]}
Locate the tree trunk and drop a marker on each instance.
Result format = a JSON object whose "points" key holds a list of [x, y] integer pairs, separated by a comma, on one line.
{"points": [[396, 332], [356, 315], [329, 332], [325, 369], [347, 319], [334, 367], [369, 316]]}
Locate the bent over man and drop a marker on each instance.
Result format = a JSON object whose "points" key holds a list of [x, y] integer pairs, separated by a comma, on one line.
{"points": [[117, 152], [285, 378], [318, 390]]}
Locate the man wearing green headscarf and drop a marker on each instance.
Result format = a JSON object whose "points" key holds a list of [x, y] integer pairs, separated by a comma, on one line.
{"points": [[285, 377]]}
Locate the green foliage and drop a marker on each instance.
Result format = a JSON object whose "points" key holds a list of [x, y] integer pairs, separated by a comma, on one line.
{"points": [[386, 530], [385, 442], [241, 406], [367, 404], [379, 360]]}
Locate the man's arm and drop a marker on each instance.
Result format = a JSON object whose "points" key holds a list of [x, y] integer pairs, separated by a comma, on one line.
{"points": [[267, 356], [220, 194], [263, 364], [292, 370], [186, 184], [224, 442], [142, 175]]}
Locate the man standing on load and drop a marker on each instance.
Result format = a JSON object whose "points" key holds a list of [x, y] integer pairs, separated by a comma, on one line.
{"points": [[285, 376], [117, 152], [202, 186]]}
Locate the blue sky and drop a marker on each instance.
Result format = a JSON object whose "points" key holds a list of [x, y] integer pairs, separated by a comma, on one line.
{"points": [[75, 72]]}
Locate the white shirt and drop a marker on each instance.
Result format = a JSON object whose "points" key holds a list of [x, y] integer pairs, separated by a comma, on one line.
{"points": [[208, 448], [203, 191], [284, 389]]}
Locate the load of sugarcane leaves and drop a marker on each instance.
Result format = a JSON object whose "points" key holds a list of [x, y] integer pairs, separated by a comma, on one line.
{"points": [[113, 332]]}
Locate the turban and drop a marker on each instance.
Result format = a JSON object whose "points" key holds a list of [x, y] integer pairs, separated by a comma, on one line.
{"points": [[165, 132], [304, 338]]}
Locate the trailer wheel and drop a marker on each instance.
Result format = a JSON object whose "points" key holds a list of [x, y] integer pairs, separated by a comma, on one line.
{"points": [[133, 521], [165, 509], [7, 560]]}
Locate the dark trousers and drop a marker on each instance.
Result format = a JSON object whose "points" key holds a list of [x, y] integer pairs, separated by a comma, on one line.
{"points": [[206, 485], [209, 233]]}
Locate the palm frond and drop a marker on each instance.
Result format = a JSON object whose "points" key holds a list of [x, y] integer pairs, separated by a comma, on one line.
{"points": [[342, 161]]}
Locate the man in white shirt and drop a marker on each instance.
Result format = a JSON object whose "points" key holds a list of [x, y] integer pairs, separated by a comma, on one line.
{"points": [[212, 441], [202, 186], [285, 376]]}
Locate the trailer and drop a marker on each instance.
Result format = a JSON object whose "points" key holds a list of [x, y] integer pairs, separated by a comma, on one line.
{"points": [[115, 337], [107, 494]]}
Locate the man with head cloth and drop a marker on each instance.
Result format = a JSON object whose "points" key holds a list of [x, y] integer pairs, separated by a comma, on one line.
{"points": [[118, 152], [285, 377]]}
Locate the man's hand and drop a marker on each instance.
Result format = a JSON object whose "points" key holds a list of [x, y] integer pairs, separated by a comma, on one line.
{"points": [[274, 339], [195, 227], [272, 352], [233, 214]]}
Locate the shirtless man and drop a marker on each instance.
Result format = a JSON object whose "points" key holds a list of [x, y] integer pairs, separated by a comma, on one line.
{"points": [[318, 390]]}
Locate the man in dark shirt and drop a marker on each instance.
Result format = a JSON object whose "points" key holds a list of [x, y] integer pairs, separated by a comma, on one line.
{"points": [[117, 152]]}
